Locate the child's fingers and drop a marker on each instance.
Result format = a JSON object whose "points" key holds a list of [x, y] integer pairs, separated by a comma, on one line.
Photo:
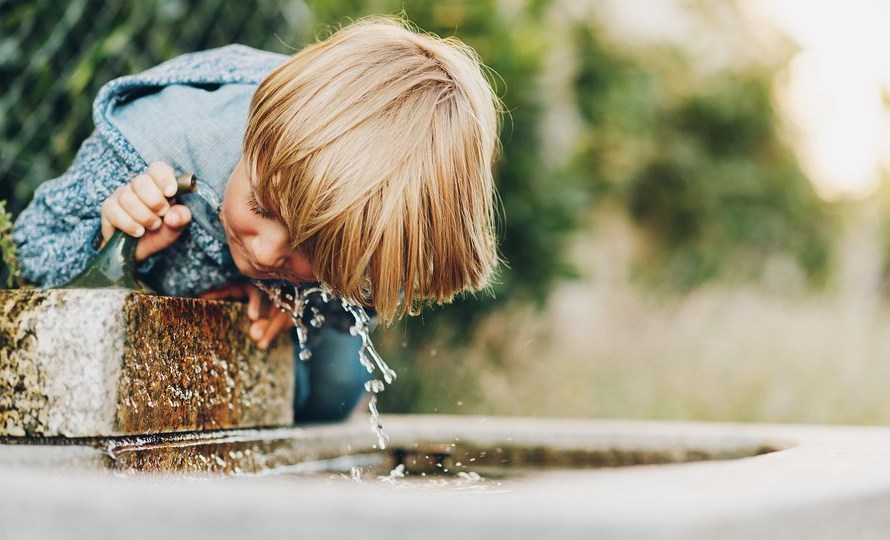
{"points": [[136, 209], [278, 322], [236, 291], [139, 206], [163, 177], [178, 216], [155, 241], [264, 331], [258, 329], [253, 303], [174, 222], [118, 218], [107, 228], [150, 194]]}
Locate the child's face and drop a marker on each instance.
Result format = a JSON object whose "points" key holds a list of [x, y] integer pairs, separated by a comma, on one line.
{"points": [[259, 243]]}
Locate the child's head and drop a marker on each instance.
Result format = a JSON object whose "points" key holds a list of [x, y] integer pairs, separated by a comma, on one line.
{"points": [[374, 148]]}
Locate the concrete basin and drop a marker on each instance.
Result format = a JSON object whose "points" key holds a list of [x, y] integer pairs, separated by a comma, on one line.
{"points": [[578, 478]]}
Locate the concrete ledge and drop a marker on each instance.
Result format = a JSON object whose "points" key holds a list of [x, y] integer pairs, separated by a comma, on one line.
{"points": [[248, 451], [452, 443], [85, 363]]}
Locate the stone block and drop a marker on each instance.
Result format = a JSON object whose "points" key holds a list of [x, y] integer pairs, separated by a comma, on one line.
{"points": [[88, 363]]}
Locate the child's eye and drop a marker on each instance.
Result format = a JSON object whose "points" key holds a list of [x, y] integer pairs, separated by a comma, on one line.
{"points": [[258, 210]]}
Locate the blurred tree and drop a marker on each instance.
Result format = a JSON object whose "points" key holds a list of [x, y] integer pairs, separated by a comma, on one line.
{"points": [[697, 163], [10, 273]]}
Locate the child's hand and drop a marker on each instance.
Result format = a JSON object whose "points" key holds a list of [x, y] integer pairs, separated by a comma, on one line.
{"points": [[268, 321], [141, 209]]}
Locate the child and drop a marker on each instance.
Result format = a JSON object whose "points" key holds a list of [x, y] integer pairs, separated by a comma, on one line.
{"points": [[362, 162]]}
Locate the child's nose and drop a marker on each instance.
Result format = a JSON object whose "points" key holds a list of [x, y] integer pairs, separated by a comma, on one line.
{"points": [[269, 254]]}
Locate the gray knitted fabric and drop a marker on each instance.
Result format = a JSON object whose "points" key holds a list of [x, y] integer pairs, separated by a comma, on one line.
{"points": [[188, 111]]}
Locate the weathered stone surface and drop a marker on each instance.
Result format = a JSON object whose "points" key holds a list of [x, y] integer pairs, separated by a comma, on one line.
{"points": [[250, 451], [424, 445], [822, 482], [86, 363]]}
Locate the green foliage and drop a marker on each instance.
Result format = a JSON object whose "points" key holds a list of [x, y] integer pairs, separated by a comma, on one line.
{"points": [[9, 266], [698, 165]]}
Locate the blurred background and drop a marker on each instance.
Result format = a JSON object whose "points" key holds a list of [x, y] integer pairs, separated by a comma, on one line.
{"points": [[694, 212]]}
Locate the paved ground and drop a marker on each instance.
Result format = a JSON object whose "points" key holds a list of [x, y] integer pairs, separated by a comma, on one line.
{"points": [[821, 482]]}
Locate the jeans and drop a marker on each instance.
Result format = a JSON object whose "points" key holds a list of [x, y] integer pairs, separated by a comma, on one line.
{"points": [[330, 384]]}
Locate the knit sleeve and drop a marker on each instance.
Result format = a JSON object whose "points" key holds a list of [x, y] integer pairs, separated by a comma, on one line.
{"points": [[58, 233]]}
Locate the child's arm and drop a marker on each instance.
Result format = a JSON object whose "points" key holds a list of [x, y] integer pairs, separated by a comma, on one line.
{"points": [[58, 233]]}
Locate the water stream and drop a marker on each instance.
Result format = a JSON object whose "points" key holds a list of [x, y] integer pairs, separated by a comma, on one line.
{"points": [[295, 305]]}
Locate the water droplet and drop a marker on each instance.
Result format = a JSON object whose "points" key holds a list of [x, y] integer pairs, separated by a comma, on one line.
{"points": [[469, 477], [374, 385], [394, 475], [317, 318]]}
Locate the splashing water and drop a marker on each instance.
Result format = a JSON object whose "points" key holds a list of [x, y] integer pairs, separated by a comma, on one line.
{"points": [[295, 305]]}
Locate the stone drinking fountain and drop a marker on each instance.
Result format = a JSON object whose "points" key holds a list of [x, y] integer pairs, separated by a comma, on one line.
{"points": [[128, 414]]}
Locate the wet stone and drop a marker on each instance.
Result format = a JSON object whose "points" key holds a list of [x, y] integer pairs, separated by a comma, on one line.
{"points": [[88, 363], [421, 447]]}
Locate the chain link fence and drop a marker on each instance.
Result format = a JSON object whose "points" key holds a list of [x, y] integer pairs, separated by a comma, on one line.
{"points": [[54, 57]]}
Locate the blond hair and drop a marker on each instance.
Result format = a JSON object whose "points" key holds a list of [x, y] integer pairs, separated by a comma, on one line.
{"points": [[375, 148]]}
